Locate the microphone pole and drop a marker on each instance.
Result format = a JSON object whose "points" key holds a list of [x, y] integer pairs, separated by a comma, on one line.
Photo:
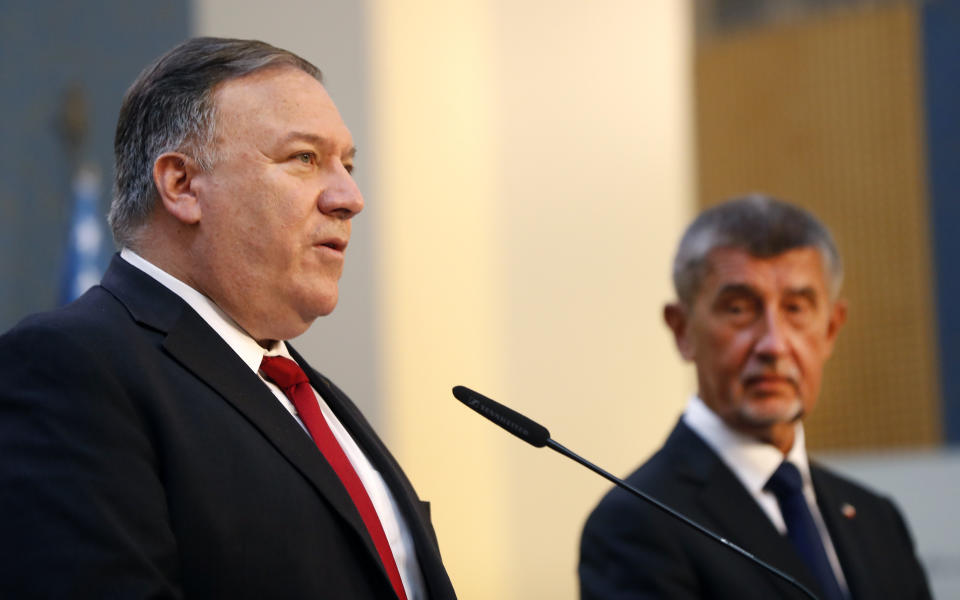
{"points": [[538, 436]]}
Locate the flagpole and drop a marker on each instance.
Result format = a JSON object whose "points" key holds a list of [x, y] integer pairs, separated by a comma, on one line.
{"points": [[82, 259]]}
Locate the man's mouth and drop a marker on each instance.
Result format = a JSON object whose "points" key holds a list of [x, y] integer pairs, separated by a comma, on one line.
{"points": [[337, 244], [769, 380]]}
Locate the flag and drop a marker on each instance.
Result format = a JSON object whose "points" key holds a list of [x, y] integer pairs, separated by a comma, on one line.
{"points": [[83, 262]]}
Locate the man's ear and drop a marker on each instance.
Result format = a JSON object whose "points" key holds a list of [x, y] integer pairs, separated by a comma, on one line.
{"points": [[838, 316], [173, 174], [677, 318]]}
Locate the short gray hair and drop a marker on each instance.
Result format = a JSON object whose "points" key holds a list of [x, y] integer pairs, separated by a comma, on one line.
{"points": [[760, 225], [170, 108]]}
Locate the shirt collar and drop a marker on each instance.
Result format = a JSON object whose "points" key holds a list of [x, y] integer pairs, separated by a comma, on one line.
{"points": [[752, 461], [239, 340]]}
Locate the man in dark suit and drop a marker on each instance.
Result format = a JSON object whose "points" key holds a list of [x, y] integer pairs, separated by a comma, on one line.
{"points": [[757, 312], [158, 438]]}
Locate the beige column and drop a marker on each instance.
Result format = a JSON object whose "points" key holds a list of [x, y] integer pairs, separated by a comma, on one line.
{"points": [[434, 94], [534, 172]]}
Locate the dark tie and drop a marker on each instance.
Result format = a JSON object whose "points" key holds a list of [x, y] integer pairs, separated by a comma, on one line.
{"points": [[290, 378], [787, 485]]}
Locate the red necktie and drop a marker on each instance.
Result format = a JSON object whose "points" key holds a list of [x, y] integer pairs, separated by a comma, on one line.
{"points": [[290, 378]]}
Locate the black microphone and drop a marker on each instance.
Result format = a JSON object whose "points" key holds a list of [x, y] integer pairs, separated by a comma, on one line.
{"points": [[536, 434]]}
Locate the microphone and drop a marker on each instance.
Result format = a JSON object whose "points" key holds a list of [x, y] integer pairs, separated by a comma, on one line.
{"points": [[537, 435], [526, 429]]}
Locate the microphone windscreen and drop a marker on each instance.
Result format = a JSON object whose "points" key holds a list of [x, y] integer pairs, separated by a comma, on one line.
{"points": [[517, 424]]}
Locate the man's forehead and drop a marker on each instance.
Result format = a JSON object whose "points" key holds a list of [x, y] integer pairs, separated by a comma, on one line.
{"points": [[282, 97], [792, 269]]}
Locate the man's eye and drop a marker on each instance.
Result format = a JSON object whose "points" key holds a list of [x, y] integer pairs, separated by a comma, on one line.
{"points": [[738, 307], [798, 307], [305, 157], [740, 310], [349, 168], [801, 313]]}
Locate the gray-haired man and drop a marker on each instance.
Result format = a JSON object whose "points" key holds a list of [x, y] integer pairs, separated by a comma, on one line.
{"points": [[158, 437], [757, 313]]}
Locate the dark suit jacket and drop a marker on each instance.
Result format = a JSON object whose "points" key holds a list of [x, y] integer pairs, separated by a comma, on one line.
{"points": [[140, 458], [632, 550]]}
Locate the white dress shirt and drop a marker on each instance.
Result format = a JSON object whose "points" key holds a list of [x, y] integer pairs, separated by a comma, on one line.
{"points": [[394, 526], [754, 462]]}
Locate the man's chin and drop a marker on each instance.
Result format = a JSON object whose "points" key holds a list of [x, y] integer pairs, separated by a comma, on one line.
{"points": [[771, 410], [296, 320], [318, 303]]}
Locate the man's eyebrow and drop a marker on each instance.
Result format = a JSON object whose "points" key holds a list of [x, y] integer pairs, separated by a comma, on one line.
{"points": [[316, 140], [806, 291], [736, 289]]}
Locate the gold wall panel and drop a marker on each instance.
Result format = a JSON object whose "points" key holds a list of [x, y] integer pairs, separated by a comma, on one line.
{"points": [[826, 113]]}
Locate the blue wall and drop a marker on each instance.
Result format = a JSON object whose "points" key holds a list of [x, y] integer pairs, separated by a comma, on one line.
{"points": [[46, 46], [941, 50]]}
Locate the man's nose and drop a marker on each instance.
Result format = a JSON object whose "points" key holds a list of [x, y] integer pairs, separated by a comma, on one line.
{"points": [[341, 197], [773, 336]]}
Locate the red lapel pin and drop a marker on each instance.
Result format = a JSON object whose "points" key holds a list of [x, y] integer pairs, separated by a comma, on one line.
{"points": [[848, 510]]}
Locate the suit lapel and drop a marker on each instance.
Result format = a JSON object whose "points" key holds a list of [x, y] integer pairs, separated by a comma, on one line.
{"points": [[727, 502], [842, 530], [194, 344], [203, 352], [737, 515], [407, 501]]}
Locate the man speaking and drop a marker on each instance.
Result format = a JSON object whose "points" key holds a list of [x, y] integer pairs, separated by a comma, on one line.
{"points": [[757, 313], [158, 437]]}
